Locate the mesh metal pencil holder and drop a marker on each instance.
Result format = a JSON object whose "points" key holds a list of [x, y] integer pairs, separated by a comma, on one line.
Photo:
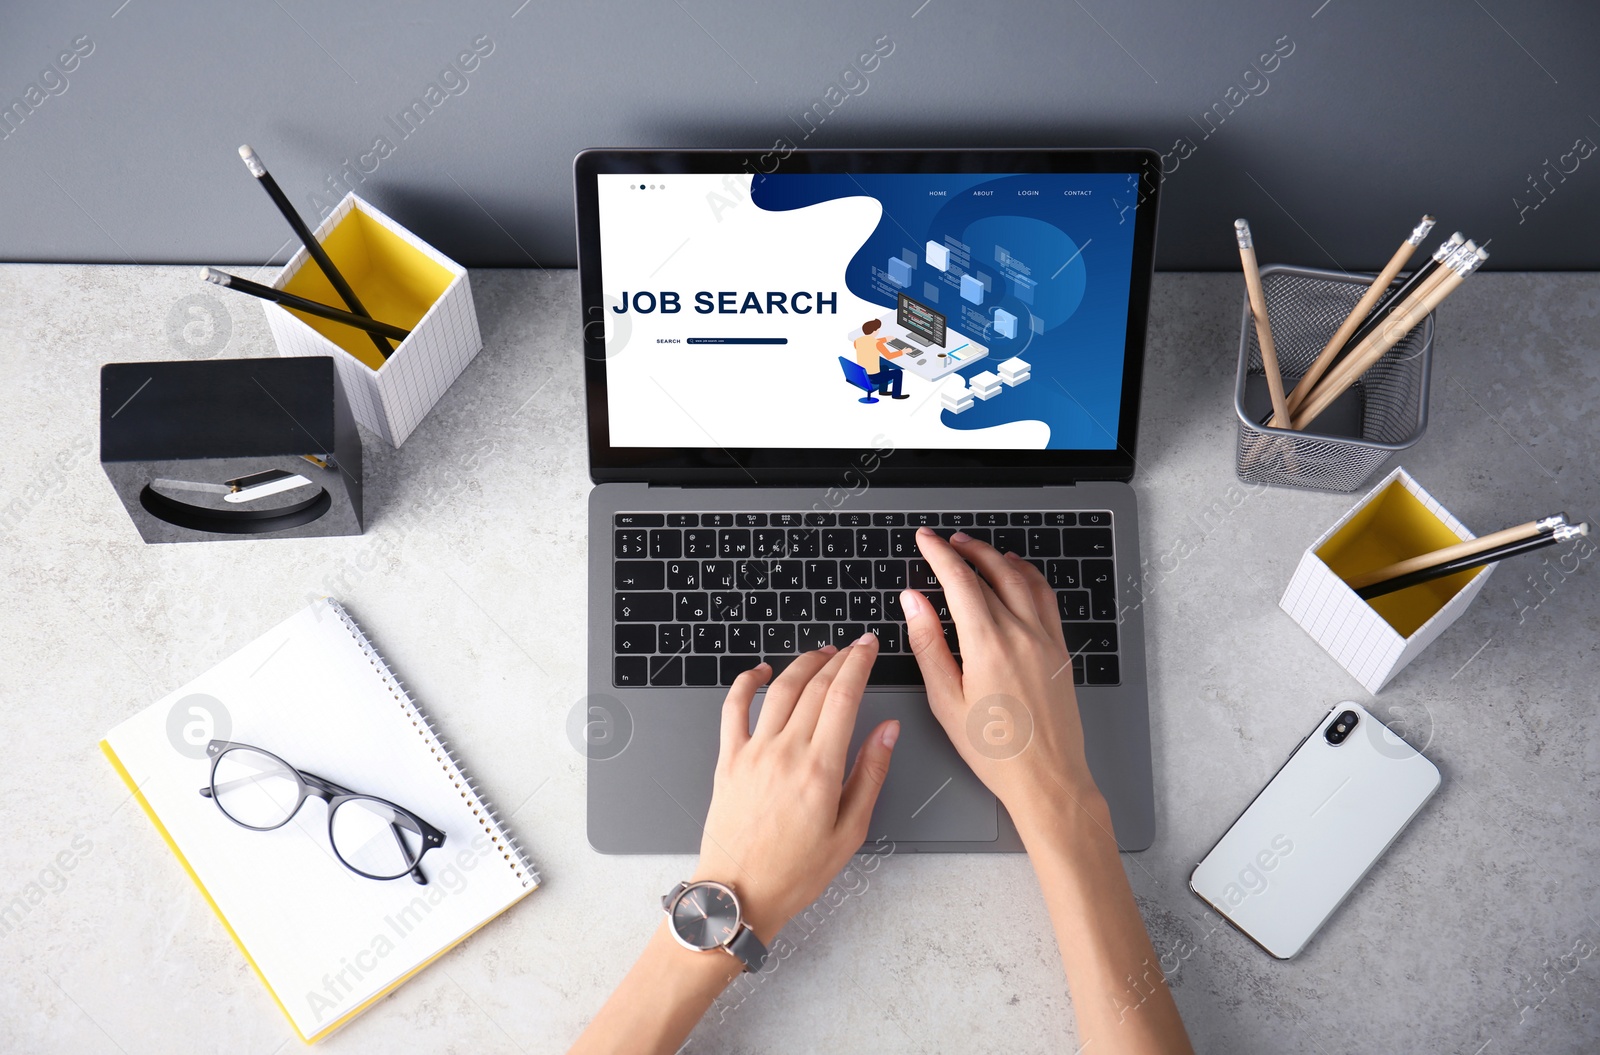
{"points": [[1385, 411]]}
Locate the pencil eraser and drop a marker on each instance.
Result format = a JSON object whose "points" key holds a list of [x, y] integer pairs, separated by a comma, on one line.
{"points": [[253, 163]]}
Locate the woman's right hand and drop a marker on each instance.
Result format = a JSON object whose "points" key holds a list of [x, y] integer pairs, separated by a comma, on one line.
{"points": [[1009, 705]]}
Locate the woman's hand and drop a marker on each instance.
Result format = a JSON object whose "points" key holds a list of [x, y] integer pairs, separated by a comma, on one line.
{"points": [[1009, 706], [784, 819]]}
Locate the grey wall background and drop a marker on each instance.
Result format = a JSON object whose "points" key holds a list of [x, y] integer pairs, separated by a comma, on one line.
{"points": [[1481, 111]]}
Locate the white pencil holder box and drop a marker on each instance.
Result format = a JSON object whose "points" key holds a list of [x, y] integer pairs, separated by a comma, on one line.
{"points": [[1375, 639], [400, 280]]}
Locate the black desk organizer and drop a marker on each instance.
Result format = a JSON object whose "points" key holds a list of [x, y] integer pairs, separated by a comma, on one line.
{"points": [[231, 448]]}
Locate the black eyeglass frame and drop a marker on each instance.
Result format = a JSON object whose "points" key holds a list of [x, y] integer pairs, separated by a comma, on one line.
{"points": [[335, 795]]}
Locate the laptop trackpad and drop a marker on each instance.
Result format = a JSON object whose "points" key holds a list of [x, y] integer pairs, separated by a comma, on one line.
{"points": [[931, 795]]}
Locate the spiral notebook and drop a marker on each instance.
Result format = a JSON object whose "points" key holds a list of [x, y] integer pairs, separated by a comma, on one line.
{"points": [[326, 942]]}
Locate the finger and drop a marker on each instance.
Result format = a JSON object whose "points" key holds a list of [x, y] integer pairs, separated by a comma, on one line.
{"points": [[962, 588], [866, 779], [803, 721], [842, 702], [783, 693], [736, 707], [941, 674], [1044, 599], [1010, 587]]}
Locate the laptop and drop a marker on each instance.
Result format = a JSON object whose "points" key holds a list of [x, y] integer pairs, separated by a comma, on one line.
{"points": [[750, 503]]}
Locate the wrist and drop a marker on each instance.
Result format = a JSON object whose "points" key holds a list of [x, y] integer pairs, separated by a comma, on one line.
{"points": [[1067, 822]]}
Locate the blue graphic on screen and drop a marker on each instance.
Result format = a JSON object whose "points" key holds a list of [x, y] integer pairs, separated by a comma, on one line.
{"points": [[1038, 268]]}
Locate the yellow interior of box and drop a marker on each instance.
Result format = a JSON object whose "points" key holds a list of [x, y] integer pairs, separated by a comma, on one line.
{"points": [[395, 283], [1393, 526]]}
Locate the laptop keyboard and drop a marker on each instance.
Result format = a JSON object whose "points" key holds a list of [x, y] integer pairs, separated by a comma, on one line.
{"points": [[700, 597]]}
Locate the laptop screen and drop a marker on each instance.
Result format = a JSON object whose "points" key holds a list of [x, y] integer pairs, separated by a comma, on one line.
{"points": [[920, 311]]}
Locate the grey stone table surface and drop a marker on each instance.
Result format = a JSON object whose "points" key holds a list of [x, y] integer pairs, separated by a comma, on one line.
{"points": [[1476, 934]]}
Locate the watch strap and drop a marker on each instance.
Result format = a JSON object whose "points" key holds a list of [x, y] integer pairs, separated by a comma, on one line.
{"points": [[748, 949]]}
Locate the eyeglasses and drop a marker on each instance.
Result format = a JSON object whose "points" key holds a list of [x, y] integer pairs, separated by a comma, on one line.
{"points": [[372, 837]]}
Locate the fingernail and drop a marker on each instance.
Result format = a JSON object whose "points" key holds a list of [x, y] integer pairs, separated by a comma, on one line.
{"points": [[869, 638], [828, 650], [910, 604], [926, 531], [961, 536], [1013, 556], [891, 733], [763, 665]]}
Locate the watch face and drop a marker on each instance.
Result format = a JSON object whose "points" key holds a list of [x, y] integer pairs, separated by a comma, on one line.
{"points": [[705, 916]]}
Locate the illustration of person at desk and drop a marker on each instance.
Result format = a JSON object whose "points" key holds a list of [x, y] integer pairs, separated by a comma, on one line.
{"points": [[874, 355]]}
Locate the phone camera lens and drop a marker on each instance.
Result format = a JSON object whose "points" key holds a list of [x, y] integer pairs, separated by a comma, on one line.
{"points": [[1341, 728]]}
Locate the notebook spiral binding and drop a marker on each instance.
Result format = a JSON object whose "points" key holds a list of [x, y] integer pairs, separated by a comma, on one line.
{"points": [[504, 842]]}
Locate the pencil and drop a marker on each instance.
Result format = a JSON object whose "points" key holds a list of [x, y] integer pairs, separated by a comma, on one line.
{"points": [[309, 240], [1419, 278], [1477, 560], [1358, 314], [1390, 334], [1461, 549], [1258, 308], [310, 307]]}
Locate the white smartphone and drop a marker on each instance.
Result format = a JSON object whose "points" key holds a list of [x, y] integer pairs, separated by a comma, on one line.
{"points": [[1318, 826]]}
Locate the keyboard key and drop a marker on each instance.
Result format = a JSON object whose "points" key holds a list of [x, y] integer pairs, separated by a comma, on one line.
{"points": [[644, 607], [730, 667], [889, 574], [1099, 576], [990, 519], [631, 672], [891, 607], [888, 635], [787, 575], [666, 670], [753, 574], [635, 638], [822, 575], [846, 633], [982, 534], [786, 519], [1091, 637], [888, 519], [795, 607], [778, 639], [922, 519], [640, 575], [872, 542], [733, 542], [838, 542], [951, 639], [777, 663], [821, 520], [866, 605], [719, 575], [727, 607], [855, 574], [1094, 519], [1037, 563], [1063, 574], [1011, 540], [812, 636], [956, 519], [672, 638], [855, 519], [1103, 670], [761, 606], [692, 608], [1074, 605], [1086, 542], [895, 670], [921, 576], [700, 670], [831, 605], [683, 575], [683, 520], [940, 607], [805, 542], [666, 542], [750, 519], [744, 639], [1077, 670], [709, 637], [903, 543], [700, 543], [1102, 605], [1026, 519], [1059, 519], [716, 520], [1044, 542], [638, 520], [770, 542], [632, 543]]}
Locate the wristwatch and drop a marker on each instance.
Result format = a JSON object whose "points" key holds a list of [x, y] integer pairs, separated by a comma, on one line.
{"points": [[704, 916]]}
